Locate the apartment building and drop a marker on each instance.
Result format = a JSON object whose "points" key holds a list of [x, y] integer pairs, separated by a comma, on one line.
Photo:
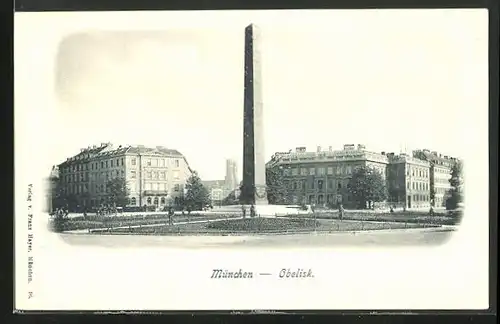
{"points": [[154, 176]]}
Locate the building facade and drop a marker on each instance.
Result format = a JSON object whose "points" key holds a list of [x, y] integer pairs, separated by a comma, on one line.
{"points": [[154, 176], [220, 192], [408, 181], [51, 188], [322, 177], [440, 174]]}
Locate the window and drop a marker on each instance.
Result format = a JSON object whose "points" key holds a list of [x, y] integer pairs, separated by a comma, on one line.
{"points": [[162, 201], [338, 171], [295, 171], [176, 163], [162, 175], [330, 170], [162, 162], [155, 186], [106, 164], [156, 201], [339, 185], [303, 171], [123, 173], [176, 187], [149, 200], [148, 175], [133, 174], [320, 184], [321, 171], [148, 162], [312, 184], [312, 171], [102, 164], [349, 169], [133, 161], [295, 185], [155, 175], [176, 174], [111, 163]]}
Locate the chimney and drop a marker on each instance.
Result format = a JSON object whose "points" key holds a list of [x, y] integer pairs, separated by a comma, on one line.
{"points": [[383, 153], [361, 147], [318, 149], [93, 146], [330, 148], [348, 147]]}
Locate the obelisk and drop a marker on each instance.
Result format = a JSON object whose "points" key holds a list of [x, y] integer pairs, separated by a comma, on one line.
{"points": [[253, 190]]}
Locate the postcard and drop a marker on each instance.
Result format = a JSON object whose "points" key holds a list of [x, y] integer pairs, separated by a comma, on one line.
{"points": [[251, 160]]}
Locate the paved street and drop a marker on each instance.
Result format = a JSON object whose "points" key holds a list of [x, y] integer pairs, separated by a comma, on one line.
{"points": [[419, 237]]}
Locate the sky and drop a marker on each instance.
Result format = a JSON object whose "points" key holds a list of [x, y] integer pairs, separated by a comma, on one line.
{"points": [[384, 79]]}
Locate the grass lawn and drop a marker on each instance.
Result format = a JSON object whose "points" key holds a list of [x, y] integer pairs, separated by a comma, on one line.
{"points": [[263, 226], [71, 224], [398, 217]]}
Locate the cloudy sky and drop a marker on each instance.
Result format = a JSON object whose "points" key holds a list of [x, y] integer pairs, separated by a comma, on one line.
{"points": [[385, 79]]}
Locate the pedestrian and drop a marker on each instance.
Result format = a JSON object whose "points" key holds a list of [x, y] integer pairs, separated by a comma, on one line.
{"points": [[341, 212], [252, 211], [244, 211], [431, 211]]}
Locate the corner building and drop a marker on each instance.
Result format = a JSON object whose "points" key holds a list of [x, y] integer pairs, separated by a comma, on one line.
{"points": [[154, 176], [321, 177], [408, 181], [440, 173]]}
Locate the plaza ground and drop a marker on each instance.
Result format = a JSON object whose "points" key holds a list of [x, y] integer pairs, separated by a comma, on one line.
{"points": [[402, 237]]}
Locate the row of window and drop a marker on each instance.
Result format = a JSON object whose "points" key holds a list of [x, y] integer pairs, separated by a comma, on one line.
{"points": [[318, 171], [418, 172], [318, 184], [418, 185], [93, 176], [155, 175], [423, 198], [155, 162], [160, 186]]}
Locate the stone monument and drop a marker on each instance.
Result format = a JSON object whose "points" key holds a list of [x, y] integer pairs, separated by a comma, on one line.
{"points": [[253, 190]]}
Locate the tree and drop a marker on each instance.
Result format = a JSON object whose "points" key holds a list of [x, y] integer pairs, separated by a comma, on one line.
{"points": [[367, 186], [454, 195], [197, 195], [276, 190], [118, 191]]}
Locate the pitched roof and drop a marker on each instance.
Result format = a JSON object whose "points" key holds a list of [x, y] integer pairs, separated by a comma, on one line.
{"points": [[109, 150]]}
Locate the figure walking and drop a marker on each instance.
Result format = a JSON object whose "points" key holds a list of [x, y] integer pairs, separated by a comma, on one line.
{"points": [[244, 211], [252, 211], [341, 212]]}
